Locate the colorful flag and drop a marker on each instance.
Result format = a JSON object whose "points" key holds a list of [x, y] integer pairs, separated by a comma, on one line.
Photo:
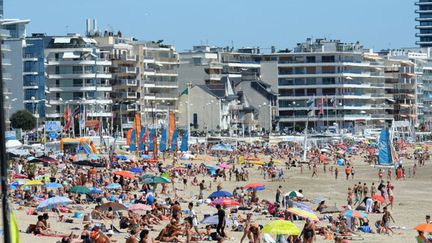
{"points": [[132, 145], [141, 141], [321, 106], [184, 145], [163, 141], [152, 136], [67, 119], [76, 111], [171, 127], [174, 140]]}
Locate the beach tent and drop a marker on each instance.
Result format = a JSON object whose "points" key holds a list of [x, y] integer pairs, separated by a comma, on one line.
{"points": [[84, 142]]}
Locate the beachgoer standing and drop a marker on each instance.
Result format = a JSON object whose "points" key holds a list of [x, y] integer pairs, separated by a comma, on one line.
{"points": [[336, 173], [220, 229], [347, 172]]}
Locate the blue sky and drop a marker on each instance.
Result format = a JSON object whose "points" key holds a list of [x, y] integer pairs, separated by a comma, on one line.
{"points": [[282, 23]]}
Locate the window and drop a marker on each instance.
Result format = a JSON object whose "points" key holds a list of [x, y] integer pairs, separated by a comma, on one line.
{"points": [[328, 80], [195, 120], [327, 58], [299, 92], [310, 59], [285, 82]]}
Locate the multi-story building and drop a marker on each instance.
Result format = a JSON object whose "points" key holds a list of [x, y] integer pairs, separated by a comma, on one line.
{"points": [[424, 18], [15, 41], [205, 65], [125, 81], [78, 75], [158, 85], [34, 74], [344, 80]]}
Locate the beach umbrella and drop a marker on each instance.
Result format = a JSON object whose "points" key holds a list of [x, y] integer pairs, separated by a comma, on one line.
{"points": [[53, 185], [113, 186], [139, 207], [54, 202], [378, 198], [226, 202], [20, 176], [293, 194], [12, 187], [125, 174], [303, 213], [281, 227], [302, 206], [156, 180], [220, 194], [136, 170], [114, 205], [224, 165], [33, 183], [80, 190], [19, 182], [253, 185], [95, 190], [257, 186], [354, 214], [319, 199], [325, 151], [424, 228], [256, 162], [214, 220], [340, 162], [122, 157], [211, 167]]}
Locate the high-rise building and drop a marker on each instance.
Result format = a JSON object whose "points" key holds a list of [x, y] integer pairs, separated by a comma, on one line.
{"points": [[343, 81], [78, 75], [158, 64], [15, 41], [424, 19], [34, 74], [125, 81]]}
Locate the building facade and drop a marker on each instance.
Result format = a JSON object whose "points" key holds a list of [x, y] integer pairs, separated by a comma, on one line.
{"points": [[34, 75], [424, 20], [343, 80], [158, 88], [77, 75]]}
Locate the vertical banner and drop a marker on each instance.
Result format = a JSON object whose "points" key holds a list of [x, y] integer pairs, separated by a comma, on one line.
{"points": [[184, 145], [174, 140], [171, 127], [137, 127], [155, 150], [132, 145], [141, 140], [163, 140], [152, 136], [128, 136]]}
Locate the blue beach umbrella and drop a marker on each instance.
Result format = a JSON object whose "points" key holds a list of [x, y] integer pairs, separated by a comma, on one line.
{"points": [[136, 170], [95, 190], [53, 185], [54, 202], [220, 194], [113, 186]]}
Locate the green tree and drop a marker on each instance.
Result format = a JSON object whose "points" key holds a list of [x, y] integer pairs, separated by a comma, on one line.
{"points": [[23, 119]]}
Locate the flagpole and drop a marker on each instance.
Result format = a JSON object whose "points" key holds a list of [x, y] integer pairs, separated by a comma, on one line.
{"points": [[188, 113]]}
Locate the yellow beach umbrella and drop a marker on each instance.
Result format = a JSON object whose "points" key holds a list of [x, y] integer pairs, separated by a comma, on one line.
{"points": [[281, 227], [303, 213], [256, 162], [33, 183]]}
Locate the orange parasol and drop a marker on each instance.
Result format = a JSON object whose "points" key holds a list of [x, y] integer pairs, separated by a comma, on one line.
{"points": [[424, 227], [125, 174], [379, 198]]}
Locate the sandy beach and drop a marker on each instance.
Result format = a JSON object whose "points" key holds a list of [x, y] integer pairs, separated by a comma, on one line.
{"points": [[412, 200]]}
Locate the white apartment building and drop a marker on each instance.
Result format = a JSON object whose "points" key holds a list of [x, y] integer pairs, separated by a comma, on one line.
{"points": [[348, 79], [159, 84], [77, 74]]}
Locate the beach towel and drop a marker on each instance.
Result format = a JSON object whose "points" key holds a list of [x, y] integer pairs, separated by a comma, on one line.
{"points": [[268, 239]]}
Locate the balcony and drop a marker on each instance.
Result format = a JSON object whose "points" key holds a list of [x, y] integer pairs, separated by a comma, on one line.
{"points": [[128, 70], [79, 75], [101, 88], [423, 2], [31, 85], [68, 62], [160, 96], [423, 26], [160, 84], [149, 59], [129, 58], [30, 58], [30, 73]]}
